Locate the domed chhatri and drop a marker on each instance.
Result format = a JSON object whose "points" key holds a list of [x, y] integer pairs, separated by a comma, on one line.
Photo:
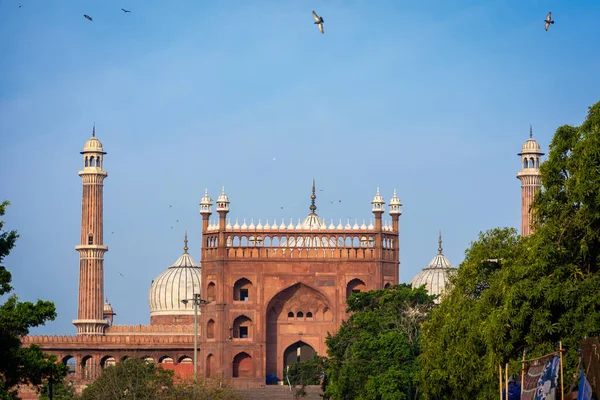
{"points": [[435, 275], [93, 145], [179, 282]]}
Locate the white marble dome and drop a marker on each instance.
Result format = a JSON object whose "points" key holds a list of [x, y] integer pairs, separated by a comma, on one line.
{"points": [[179, 282], [531, 146], [435, 276], [93, 145]]}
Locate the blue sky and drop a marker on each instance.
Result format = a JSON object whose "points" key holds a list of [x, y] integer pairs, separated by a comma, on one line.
{"points": [[433, 98]]}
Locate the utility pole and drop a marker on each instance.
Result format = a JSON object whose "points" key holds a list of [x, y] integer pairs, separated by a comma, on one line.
{"points": [[197, 301]]}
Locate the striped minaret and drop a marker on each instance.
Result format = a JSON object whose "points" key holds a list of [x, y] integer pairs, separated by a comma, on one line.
{"points": [[91, 249], [530, 178]]}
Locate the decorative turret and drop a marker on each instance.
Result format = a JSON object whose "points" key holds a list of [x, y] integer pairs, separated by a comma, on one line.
{"points": [[395, 205], [378, 203], [206, 204], [530, 178], [223, 202], [108, 312]]}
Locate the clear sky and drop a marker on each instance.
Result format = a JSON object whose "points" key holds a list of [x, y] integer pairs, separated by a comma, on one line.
{"points": [[433, 98]]}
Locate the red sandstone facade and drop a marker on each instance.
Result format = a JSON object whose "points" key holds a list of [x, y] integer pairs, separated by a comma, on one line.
{"points": [[274, 292]]}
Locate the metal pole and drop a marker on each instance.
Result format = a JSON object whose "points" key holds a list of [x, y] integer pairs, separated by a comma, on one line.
{"points": [[195, 338]]}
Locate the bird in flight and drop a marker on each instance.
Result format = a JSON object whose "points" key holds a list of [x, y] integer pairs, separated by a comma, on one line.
{"points": [[124, 10], [88, 17], [19, 6], [318, 21], [548, 20]]}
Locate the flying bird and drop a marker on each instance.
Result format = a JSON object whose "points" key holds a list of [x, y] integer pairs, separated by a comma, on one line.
{"points": [[124, 10], [19, 6], [548, 20], [318, 21], [122, 275], [88, 17]]}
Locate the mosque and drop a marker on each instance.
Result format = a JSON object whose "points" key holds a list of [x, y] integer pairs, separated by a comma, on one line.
{"points": [[264, 296]]}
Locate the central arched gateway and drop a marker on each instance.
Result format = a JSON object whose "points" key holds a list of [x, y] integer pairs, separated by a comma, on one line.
{"points": [[297, 352], [298, 317]]}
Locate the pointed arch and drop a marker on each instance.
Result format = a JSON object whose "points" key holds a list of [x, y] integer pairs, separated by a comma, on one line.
{"points": [[355, 286], [242, 365]]}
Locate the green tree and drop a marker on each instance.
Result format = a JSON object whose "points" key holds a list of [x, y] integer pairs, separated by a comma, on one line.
{"points": [[18, 364], [60, 391], [374, 353], [133, 379], [542, 290], [200, 390], [456, 360]]}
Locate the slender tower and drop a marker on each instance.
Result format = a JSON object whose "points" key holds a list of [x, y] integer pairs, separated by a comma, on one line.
{"points": [[91, 249], [530, 178]]}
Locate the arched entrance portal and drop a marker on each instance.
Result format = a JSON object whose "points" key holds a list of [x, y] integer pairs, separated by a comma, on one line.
{"points": [[297, 352], [297, 310]]}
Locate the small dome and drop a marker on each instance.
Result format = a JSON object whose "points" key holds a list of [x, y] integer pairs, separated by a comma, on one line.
{"points": [[395, 200], [223, 197], [206, 200], [531, 146], [107, 307], [378, 199], [435, 276], [93, 145], [179, 282]]}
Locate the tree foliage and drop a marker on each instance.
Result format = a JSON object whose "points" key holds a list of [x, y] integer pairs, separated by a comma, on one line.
{"points": [[374, 354], [137, 379], [133, 378], [18, 364], [543, 289]]}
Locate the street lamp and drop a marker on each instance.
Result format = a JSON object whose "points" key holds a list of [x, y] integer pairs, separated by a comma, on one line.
{"points": [[197, 302]]}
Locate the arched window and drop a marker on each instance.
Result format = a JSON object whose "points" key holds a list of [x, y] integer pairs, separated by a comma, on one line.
{"points": [[87, 162], [210, 329], [525, 163], [290, 315], [355, 286], [90, 239], [242, 327], [241, 290], [537, 162], [309, 315], [211, 290], [92, 164], [210, 360], [531, 163], [242, 366], [299, 314]]}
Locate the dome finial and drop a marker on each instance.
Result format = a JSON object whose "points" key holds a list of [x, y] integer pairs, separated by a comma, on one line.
{"points": [[530, 131], [185, 241], [440, 243], [94, 130], [313, 196]]}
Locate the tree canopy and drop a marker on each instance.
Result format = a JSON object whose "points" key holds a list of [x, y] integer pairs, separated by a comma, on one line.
{"points": [[514, 294], [374, 353], [18, 364], [137, 379]]}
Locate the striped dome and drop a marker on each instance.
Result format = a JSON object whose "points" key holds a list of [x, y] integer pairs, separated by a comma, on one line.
{"points": [[179, 282], [435, 276]]}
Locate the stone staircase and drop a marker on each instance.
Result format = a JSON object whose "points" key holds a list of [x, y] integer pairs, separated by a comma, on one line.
{"points": [[278, 392]]}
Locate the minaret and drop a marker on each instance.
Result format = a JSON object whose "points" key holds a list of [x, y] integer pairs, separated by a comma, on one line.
{"points": [[530, 178], [91, 249]]}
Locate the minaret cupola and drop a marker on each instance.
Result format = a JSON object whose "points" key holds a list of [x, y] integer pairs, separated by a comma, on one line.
{"points": [[395, 205], [223, 202], [378, 203], [206, 204]]}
